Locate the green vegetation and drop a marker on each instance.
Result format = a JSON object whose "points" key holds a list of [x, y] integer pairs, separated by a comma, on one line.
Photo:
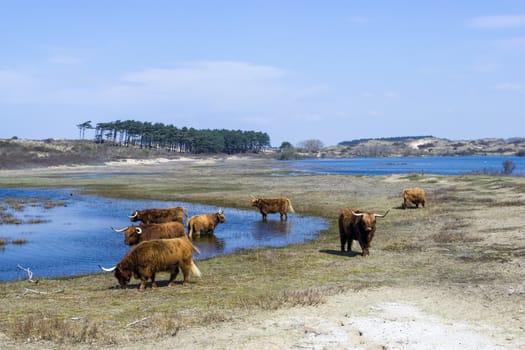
{"points": [[183, 140]]}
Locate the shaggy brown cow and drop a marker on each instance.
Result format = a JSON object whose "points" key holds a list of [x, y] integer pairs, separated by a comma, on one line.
{"points": [[147, 258], [205, 223], [158, 216], [358, 225], [145, 232], [267, 206], [414, 195]]}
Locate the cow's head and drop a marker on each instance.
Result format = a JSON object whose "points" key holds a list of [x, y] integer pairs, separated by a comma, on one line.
{"points": [[123, 275], [134, 216], [220, 216], [131, 234], [367, 227], [255, 202]]}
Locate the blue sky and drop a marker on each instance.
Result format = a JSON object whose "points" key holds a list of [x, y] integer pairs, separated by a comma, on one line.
{"points": [[298, 70]]}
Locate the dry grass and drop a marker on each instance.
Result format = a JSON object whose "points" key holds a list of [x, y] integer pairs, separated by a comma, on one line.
{"points": [[440, 245]]}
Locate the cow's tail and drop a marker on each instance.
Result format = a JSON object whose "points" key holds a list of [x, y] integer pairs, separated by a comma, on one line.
{"points": [[194, 247], [190, 230], [195, 270], [290, 205]]}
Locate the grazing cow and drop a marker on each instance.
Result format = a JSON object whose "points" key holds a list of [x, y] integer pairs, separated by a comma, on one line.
{"points": [[158, 216], [358, 225], [147, 258], [204, 223], [414, 195], [145, 232], [267, 206]]}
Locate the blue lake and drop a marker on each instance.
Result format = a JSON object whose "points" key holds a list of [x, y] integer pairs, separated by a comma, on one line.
{"points": [[408, 165], [77, 236]]}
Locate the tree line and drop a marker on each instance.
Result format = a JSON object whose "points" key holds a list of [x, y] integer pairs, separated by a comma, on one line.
{"points": [[183, 140]]}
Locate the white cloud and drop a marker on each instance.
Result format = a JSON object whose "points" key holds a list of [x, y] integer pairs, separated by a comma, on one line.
{"points": [[497, 22], [65, 60], [218, 84], [516, 43], [510, 87]]}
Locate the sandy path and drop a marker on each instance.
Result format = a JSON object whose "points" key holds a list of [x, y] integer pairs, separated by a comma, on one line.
{"points": [[385, 318]]}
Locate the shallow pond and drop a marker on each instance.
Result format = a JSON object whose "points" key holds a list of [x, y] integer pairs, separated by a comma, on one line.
{"points": [[73, 235]]}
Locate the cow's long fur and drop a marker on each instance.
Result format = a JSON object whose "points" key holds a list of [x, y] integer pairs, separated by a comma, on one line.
{"points": [[147, 258], [204, 223], [157, 216], [153, 231], [267, 206], [360, 227], [414, 195]]}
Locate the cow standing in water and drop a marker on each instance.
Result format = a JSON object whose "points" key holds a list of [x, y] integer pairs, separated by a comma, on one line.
{"points": [[267, 206], [145, 232], [205, 223], [158, 216]]}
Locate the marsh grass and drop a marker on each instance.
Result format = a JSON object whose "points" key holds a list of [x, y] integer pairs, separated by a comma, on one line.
{"points": [[48, 204], [19, 241], [19, 205], [435, 246]]}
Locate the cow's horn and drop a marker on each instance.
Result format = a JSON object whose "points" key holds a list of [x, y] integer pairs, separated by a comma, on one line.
{"points": [[119, 230], [111, 269], [357, 214], [139, 230], [134, 214], [220, 211], [380, 216]]}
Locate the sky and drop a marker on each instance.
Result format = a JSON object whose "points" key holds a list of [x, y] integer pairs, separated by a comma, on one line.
{"points": [[298, 70]]}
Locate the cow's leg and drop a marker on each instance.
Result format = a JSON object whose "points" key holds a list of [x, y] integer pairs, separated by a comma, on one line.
{"points": [[364, 248], [264, 215], [186, 272], [343, 238], [142, 286], [173, 275], [153, 283]]}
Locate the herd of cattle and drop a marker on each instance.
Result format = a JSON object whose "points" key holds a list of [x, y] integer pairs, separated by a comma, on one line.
{"points": [[161, 242]]}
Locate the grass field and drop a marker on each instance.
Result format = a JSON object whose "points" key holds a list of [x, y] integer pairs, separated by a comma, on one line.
{"points": [[467, 243]]}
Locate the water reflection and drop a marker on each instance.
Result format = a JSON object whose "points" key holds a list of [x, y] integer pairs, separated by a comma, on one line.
{"points": [[209, 245], [76, 237], [264, 230]]}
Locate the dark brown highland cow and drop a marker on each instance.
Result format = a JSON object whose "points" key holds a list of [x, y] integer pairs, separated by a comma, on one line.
{"points": [[158, 216], [357, 225], [146, 232]]}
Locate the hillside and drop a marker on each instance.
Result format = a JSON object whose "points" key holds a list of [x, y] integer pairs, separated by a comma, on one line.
{"points": [[18, 154], [425, 146]]}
